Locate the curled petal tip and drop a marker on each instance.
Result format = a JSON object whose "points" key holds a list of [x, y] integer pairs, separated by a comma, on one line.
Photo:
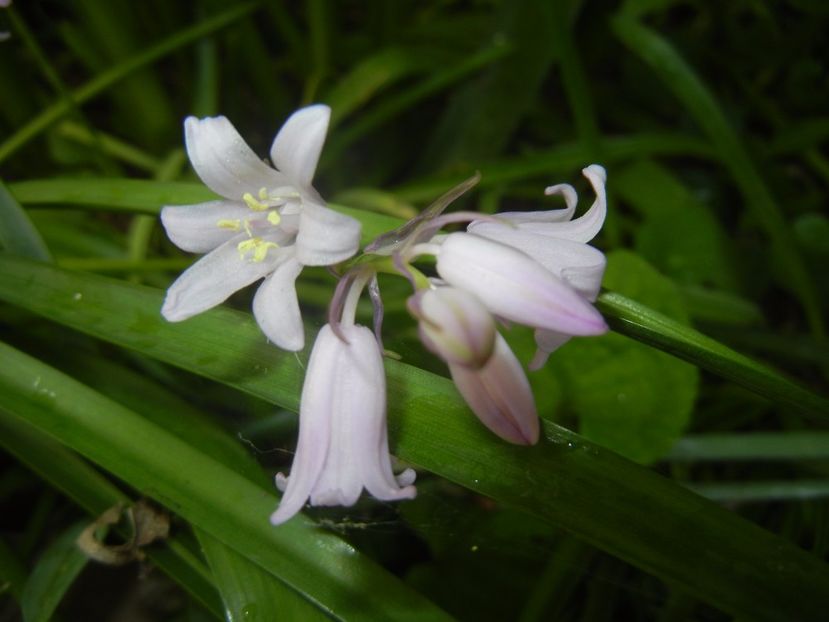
{"points": [[595, 169]]}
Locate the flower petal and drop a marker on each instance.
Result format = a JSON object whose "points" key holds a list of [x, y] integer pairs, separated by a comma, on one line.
{"points": [[514, 286], [296, 148], [582, 266], [276, 308], [359, 415], [500, 395], [586, 227], [455, 325], [538, 216], [212, 279], [325, 237], [315, 418], [223, 160], [195, 228]]}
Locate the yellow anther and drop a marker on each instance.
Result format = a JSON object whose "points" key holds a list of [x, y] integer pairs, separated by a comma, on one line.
{"points": [[233, 225], [274, 217], [263, 193], [259, 247], [261, 251], [253, 203], [246, 245]]}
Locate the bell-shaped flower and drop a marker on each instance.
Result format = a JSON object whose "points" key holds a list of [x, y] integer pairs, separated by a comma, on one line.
{"points": [[269, 223], [500, 395], [558, 243], [455, 325], [514, 286], [343, 442]]}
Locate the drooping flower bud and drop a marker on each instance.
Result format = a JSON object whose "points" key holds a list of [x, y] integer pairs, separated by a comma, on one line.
{"points": [[500, 395], [455, 325]]}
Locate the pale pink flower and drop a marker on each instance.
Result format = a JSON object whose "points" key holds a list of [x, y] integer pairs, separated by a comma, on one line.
{"points": [[559, 243], [343, 441]]}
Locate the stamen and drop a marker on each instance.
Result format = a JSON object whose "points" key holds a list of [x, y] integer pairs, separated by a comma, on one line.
{"points": [[262, 251], [253, 203], [245, 245], [263, 193], [274, 218], [259, 247], [247, 228], [233, 225]]}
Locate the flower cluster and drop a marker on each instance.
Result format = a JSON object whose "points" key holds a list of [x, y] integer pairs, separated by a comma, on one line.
{"points": [[529, 268]]}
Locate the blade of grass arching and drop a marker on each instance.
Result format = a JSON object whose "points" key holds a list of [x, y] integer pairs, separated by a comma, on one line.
{"points": [[368, 77], [483, 113], [394, 105], [79, 481], [765, 446], [53, 77], [17, 233], [212, 497], [105, 264], [12, 572], [251, 593], [700, 102], [246, 589], [566, 159], [53, 574], [145, 197], [112, 76], [763, 492], [156, 403], [628, 317], [605, 500], [133, 195], [117, 195], [140, 102], [111, 145]]}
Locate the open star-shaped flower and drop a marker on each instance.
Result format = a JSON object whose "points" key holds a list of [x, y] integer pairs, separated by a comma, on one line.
{"points": [[270, 223]]}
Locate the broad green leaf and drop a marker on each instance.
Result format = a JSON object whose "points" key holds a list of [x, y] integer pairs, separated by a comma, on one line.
{"points": [[250, 593], [75, 478], [701, 103], [610, 502], [17, 234], [678, 234], [648, 326], [629, 397], [54, 573], [209, 495]]}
